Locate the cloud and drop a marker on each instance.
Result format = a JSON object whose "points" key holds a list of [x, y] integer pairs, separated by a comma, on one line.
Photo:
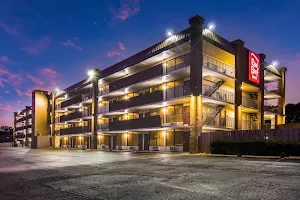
{"points": [[69, 43], [38, 46], [5, 106], [35, 79], [49, 72], [113, 53], [75, 38], [4, 59], [7, 92], [121, 46], [127, 9], [14, 31], [10, 78]]}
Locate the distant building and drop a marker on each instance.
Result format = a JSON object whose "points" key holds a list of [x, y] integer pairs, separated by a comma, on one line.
{"points": [[22, 126]]}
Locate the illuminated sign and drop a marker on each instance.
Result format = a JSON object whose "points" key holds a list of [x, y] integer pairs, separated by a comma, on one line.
{"points": [[254, 67]]}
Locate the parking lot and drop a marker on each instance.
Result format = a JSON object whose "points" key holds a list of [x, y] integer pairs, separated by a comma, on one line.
{"points": [[85, 174]]}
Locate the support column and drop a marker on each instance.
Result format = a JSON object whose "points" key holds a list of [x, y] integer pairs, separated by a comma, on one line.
{"points": [[282, 101], [195, 122], [196, 63], [95, 89], [239, 46], [53, 136], [94, 113], [262, 91]]}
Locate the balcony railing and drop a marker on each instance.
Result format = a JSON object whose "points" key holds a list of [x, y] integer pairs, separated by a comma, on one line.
{"points": [[21, 119], [273, 109], [75, 130], [140, 100], [176, 67], [58, 107], [249, 102], [103, 126], [177, 118], [147, 122], [217, 121], [250, 125], [20, 135], [103, 108], [74, 115], [178, 91], [216, 65], [220, 94], [136, 78], [87, 96], [75, 100]]}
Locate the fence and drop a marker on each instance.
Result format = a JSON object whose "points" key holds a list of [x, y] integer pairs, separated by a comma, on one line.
{"points": [[281, 135], [7, 144]]}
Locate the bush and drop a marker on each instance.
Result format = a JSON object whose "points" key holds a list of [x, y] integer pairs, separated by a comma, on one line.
{"points": [[256, 148]]}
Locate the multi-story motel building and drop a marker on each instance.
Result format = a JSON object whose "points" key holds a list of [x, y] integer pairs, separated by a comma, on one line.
{"points": [[23, 127], [164, 97]]}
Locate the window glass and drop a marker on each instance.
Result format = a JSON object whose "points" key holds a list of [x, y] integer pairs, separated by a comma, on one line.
{"points": [[170, 85], [170, 138], [179, 82], [153, 138], [178, 138]]}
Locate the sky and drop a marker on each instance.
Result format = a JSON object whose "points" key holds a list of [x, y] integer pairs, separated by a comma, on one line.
{"points": [[50, 43]]}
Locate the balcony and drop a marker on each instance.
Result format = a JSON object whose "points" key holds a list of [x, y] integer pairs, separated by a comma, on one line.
{"points": [[75, 130], [178, 91], [142, 99], [250, 103], [147, 122], [219, 94], [21, 119], [136, 78], [273, 109], [216, 65], [20, 135], [20, 128], [75, 100], [217, 121], [102, 127], [87, 96], [250, 125], [74, 115], [177, 119], [28, 135], [103, 108]]}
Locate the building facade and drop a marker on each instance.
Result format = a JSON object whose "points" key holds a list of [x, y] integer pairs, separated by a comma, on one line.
{"points": [[164, 97], [23, 127]]}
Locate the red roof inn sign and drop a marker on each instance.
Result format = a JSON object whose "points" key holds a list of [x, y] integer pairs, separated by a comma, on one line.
{"points": [[254, 67]]}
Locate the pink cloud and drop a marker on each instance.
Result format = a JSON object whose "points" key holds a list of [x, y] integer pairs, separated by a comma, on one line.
{"points": [[121, 46], [127, 9], [6, 107], [12, 79], [14, 31], [38, 46], [7, 92], [4, 59], [69, 43], [19, 101], [113, 53], [35, 79], [49, 72]]}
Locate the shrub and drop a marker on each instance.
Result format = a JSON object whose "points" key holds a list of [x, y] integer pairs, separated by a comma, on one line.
{"points": [[256, 148]]}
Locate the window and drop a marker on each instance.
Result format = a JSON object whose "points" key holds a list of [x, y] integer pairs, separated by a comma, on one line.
{"points": [[170, 138]]}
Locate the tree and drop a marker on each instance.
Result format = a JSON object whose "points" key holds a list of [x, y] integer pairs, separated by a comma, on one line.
{"points": [[292, 112]]}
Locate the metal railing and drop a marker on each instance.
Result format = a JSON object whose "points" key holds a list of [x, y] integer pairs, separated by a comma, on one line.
{"points": [[217, 121], [103, 126], [250, 125], [249, 102], [103, 108], [220, 94], [273, 109], [178, 91], [219, 66], [182, 117], [176, 67]]}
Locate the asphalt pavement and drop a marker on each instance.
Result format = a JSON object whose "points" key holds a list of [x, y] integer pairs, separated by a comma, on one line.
{"points": [[85, 174]]}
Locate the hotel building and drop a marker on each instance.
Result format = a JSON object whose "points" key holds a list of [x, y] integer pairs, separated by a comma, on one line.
{"points": [[164, 97]]}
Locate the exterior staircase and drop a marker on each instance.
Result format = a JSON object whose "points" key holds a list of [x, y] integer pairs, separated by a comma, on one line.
{"points": [[212, 114], [213, 87]]}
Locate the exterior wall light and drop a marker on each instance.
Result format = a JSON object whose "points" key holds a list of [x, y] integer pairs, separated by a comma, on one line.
{"points": [[211, 26], [169, 33], [91, 73]]}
